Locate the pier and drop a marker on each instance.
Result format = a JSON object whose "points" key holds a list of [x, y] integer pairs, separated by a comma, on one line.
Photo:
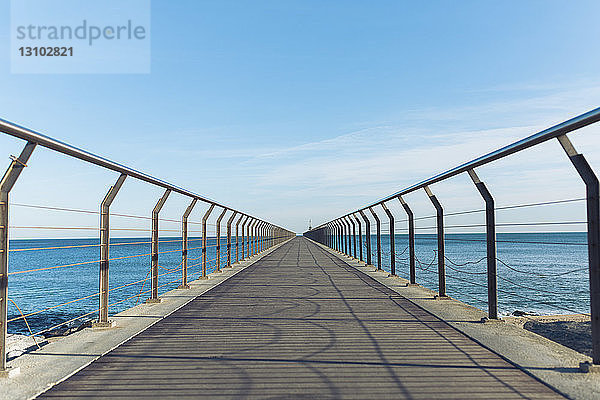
{"points": [[301, 323], [249, 309]]}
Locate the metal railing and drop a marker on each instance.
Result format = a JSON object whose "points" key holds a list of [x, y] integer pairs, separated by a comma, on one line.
{"points": [[253, 236], [340, 234]]}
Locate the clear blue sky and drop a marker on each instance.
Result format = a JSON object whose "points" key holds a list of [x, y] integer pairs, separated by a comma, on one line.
{"points": [[306, 109]]}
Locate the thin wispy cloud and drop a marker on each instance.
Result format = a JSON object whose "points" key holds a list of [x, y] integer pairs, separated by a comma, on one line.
{"points": [[342, 172]]}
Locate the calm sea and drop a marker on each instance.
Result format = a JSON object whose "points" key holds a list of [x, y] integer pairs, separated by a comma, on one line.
{"points": [[541, 273], [130, 262]]}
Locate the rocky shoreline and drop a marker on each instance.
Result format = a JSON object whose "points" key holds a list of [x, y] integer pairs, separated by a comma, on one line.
{"points": [[571, 330], [17, 345]]}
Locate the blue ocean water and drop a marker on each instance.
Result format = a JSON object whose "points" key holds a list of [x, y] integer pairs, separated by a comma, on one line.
{"points": [[39, 290], [540, 273], [535, 273]]}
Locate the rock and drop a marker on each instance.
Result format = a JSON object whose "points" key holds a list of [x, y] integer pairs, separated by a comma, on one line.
{"points": [[572, 334], [519, 313], [17, 345]]}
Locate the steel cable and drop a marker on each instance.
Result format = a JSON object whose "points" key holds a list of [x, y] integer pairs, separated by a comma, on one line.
{"points": [[26, 323]]}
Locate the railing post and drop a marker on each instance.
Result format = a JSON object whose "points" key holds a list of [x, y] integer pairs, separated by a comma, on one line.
{"points": [[104, 252], [154, 260], [335, 235], [378, 222], [346, 237], [440, 243], [411, 241], [237, 224], [219, 239], [336, 240], [204, 252], [243, 236], [249, 235], [262, 236], [593, 236], [340, 236], [259, 235], [229, 222], [269, 236], [255, 237], [256, 244], [360, 252], [490, 230], [184, 245], [267, 233], [392, 241], [6, 184], [367, 237], [245, 244], [353, 235]]}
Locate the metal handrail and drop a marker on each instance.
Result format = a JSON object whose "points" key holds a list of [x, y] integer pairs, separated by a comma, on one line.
{"points": [[553, 132], [29, 135]]}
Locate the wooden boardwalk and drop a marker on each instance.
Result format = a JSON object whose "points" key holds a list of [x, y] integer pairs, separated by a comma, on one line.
{"points": [[300, 323]]}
